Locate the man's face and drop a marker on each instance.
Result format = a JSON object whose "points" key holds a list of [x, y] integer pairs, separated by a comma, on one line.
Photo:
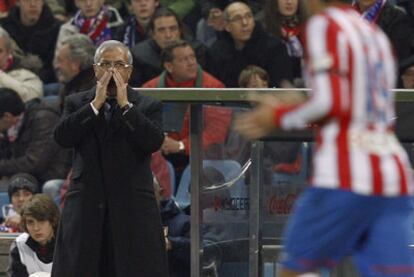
{"points": [[19, 198], [40, 230], [4, 53], [30, 11], [184, 65], [166, 30], [65, 67], [116, 58], [89, 8], [7, 121], [408, 78], [240, 22], [144, 9], [288, 7]]}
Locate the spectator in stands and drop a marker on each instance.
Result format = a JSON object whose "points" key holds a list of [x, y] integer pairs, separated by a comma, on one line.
{"points": [[284, 19], [33, 27], [253, 77], [111, 181], [182, 70], [32, 251], [392, 20], [212, 22], [28, 139], [73, 65], [95, 19], [165, 27], [135, 29], [14, 73], [407, 73], [54, 5], [177, 234], [22, 187], [246, 43]]}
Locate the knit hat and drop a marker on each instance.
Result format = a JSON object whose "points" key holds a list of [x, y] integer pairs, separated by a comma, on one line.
{"points": [[22, 181]]}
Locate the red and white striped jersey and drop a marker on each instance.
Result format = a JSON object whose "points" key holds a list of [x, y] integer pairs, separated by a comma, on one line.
{"points": [[351, 70]]}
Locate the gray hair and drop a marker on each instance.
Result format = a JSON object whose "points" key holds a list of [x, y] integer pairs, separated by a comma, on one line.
{"points": [[81, 48], [109, 45], [4, 34]]}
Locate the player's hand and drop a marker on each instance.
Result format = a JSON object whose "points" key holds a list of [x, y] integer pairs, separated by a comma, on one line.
{"points": [[261, 120], [121, 89], [101, 90]]}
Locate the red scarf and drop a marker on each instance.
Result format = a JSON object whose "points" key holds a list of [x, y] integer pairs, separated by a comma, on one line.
{"points": [[9, 63], [288, 32]]}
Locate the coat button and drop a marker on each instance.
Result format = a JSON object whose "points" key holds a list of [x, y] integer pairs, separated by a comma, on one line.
{"points": [[101, 205]]}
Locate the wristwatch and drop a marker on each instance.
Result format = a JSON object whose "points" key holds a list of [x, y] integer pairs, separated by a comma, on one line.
{"points": [[126, 108]]}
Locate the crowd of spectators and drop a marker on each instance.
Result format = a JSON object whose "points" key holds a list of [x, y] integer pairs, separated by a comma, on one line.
{"points": [[47, 48]]}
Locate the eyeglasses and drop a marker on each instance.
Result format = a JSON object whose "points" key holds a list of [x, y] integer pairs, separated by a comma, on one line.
{"points": [[239, 18], [116, 65]]}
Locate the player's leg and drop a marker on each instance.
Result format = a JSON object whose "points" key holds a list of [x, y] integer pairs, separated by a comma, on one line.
{"points": [[323, 229], [385, 250]]}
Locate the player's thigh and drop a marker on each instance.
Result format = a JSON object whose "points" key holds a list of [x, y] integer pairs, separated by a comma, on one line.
{"points": [[324, 227], [385, 250]]}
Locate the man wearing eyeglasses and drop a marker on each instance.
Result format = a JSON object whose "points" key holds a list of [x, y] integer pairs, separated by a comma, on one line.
{"points": [[246, 43], [110, 223]]}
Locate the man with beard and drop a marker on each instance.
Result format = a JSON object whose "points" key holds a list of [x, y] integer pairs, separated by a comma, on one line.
{"points": [[113, 131]]}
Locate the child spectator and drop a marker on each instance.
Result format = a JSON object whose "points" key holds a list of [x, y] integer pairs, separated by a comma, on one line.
{"points": [[32, 252], [22, 187]]}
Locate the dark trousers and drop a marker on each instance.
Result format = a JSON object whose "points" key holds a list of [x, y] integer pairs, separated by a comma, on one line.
{"points": [[107, 261]]}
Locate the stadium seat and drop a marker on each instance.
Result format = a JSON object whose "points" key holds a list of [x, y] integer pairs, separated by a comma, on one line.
{"points": [[230, 170]]}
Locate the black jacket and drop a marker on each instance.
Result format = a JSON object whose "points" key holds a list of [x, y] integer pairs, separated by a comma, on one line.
{"points": [[34, 151], [399, 29], [112, 185], [85, 80], [225, 62], [39, 39]]}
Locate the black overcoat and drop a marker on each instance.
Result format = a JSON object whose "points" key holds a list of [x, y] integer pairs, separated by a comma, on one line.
{"points": [[111, 174]]}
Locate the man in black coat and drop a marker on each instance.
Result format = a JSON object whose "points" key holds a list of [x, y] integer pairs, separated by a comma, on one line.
{"points": [[26, 138], [246, 43], [35, 30], [110, 223]]}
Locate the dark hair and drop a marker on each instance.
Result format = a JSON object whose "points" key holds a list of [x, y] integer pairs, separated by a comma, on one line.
{"points": [[10, 102], [167, 53], [250, 71], [41, 207], [273, 19], [164, 12], [22, 181]]}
